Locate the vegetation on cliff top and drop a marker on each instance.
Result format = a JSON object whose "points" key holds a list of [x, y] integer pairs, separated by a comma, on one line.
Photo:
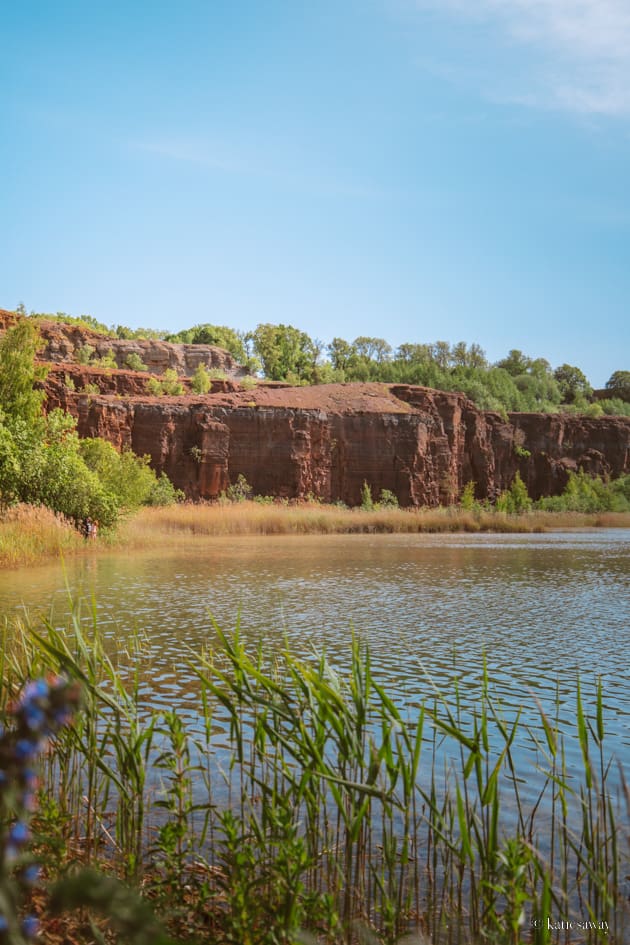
{"points": [[517, 382]]}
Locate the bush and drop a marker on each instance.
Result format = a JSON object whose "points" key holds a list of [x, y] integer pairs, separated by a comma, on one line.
{"points": [[387, 500], [84, 354], [240, 490], [585, 493], [135, 362], [515, 499], [154, 388], [367, 502], [171, 384], [467, 499], [200, 381], [107, 362]]}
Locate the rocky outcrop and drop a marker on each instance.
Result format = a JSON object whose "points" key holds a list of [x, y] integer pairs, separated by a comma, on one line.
{"points": [[421, 444], [62, 342]]}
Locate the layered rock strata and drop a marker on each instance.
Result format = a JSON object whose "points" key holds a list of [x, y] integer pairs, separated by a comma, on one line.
{"points": [[421, 444]]}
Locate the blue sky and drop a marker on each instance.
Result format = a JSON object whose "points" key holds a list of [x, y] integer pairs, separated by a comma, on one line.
{"points": [[411, 169]]}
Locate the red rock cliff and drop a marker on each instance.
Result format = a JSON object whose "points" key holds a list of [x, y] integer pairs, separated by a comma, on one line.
{"points": [[423, 445]]}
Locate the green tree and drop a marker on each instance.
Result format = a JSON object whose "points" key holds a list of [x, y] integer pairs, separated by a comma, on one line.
{"points": [[285, 350], [19, 374], [219, 335], [515, 363], [618, 385], [573, 383], [372, 349]]}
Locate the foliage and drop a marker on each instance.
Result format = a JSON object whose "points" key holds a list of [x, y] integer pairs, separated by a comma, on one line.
{"points": [[467, 499], [367, 502], [573, 383], [154, 387], [135, 362], [240, 490], [82, 321], [618, 385], [19, 374], [615, 406], [42, 460], [84, 354], [585, 493], [515, 499], [285, 350], [127, 477], [336, 800], [107, 362], [219, 335], [387, 499], [170, 384], [200, 381]]}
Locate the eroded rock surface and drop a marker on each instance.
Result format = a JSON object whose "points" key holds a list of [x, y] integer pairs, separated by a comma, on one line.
{"points": [[421, 444]]}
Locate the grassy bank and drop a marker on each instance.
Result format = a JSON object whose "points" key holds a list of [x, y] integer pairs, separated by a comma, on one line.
{"points": [[29, 535], [297, 804]]}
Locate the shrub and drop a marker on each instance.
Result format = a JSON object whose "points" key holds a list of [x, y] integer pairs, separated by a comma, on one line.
{"points": [[171, 384], [84, 354], [135, 362], [240, 490], [200, 381], [585, 493], [107, 362], [515, 499], [367, 503], [467, 499], [388, 500], [153, 387], [248, 382]]}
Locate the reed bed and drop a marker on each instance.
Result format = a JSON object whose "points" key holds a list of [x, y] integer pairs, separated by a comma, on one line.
{"points": [[301, 805], [30, 533], [152, 526]]}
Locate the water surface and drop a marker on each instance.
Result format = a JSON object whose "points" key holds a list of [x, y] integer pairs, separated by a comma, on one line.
{"points": [[540, 609]]}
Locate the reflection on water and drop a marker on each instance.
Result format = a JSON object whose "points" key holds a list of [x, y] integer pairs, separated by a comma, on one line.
{"points": [[542, 608]]}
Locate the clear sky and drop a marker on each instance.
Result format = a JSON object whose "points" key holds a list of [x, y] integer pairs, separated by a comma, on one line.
{"points": [[411, 169]]}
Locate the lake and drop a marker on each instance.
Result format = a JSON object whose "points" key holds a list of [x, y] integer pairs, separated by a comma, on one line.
{"points": [[541, 609]]}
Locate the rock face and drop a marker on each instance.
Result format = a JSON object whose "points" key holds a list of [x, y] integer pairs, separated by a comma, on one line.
{"points": [[421, 444], [62, 342]]}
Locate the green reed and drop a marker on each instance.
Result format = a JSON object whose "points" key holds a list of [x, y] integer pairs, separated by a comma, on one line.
{"points": [[332, 811]]}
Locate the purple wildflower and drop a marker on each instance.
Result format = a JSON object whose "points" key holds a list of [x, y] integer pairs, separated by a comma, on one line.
{"points": [[30, 874], [19, 834], [30, 926]]}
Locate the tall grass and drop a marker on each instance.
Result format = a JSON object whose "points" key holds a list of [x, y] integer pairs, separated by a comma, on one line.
{"points": [[152, 526], [29, 533], [301, 800]]}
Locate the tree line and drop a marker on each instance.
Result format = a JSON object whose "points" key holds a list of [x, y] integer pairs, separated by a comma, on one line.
{"points": [[517, 382]]}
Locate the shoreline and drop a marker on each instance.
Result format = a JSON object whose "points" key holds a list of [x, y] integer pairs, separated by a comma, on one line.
{"points": [[31, 536]]}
